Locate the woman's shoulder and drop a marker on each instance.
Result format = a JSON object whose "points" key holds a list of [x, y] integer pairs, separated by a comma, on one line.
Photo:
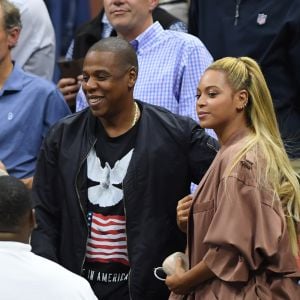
{"points": [[247, 169]]}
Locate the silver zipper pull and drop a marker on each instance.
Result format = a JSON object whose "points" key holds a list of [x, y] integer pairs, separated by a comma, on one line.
{"points": [[237, 12]]}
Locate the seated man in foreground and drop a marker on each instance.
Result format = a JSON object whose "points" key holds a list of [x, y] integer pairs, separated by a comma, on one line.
{"points": [[24, 275]]}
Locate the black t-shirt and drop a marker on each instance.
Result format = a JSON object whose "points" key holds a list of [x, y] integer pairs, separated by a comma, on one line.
{"points": [[107, 266]]}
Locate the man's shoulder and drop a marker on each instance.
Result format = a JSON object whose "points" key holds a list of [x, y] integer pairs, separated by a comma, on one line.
{"points": [[29, 79], [61, 278], [182, 37], [158, 112], [71, 121], [184, 42]]}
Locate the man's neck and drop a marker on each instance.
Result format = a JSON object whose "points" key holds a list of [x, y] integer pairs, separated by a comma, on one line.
{"points": [[132, 34], [6, 67], [13, 237], [123, 122]]}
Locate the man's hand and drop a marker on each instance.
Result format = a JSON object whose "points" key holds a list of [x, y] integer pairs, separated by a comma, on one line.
{"points": [[28, 182], [69, 87], [183, 209]]}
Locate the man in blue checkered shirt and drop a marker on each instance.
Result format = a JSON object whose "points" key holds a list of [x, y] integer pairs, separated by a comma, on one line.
{"points": [[170, 63]]}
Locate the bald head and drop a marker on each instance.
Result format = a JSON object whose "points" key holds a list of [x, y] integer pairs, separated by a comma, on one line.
{"points": [[121, 48]]}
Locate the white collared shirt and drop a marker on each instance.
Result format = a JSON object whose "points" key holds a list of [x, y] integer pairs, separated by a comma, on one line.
{"points": [[27, 276]]}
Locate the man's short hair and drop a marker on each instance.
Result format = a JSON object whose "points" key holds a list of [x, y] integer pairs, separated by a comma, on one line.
{"points": [[15, 202], [126, 53], [11, 15]]}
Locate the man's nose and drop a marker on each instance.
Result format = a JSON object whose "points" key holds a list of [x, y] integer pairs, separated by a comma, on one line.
{"points": [[90, 83]]}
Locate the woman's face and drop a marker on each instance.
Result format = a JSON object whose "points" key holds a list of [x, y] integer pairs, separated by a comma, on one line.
{"points": [[217, 103]]}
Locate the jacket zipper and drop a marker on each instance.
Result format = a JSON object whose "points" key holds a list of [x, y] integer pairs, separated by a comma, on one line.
{"points": [[127, 241], [78, 197], [212, 147], [237, 12]]}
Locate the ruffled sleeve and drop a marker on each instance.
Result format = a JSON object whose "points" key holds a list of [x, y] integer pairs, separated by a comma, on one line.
{"points": [[245, 230]]}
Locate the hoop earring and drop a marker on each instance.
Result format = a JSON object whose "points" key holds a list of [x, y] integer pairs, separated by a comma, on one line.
{"points": [[241, 108]]}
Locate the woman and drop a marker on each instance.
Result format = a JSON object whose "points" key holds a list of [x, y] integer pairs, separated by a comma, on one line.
{"points": [[242, 237]]}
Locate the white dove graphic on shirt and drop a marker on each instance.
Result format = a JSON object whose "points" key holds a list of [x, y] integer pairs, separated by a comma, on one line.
{"points": [[106, 193]]}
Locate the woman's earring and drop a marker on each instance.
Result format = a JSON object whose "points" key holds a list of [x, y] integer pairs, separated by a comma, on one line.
{"points": [[241, 108]]}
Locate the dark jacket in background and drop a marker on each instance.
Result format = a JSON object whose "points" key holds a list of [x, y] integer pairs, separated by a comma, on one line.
{"points": [[170, 152], [269, 32], [90, 33]]}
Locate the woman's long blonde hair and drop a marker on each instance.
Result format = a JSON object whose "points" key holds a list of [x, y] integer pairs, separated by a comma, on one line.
{"points": [[245, 73]]}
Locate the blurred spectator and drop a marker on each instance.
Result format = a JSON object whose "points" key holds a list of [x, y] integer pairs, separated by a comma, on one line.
{"points": [[269, 32], [35, 50], [24, 275], [170, 62], [66, 16], [29, 105], [90, 32]]}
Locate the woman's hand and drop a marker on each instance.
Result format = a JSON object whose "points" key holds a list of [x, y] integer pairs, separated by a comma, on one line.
{"points": [[176, 281], [183, 209]]}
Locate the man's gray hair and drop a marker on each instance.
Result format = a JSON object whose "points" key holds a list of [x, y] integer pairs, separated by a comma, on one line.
{"points": [[11, 15]]}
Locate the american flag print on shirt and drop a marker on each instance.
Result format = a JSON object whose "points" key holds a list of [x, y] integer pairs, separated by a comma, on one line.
{"points": [[107, 241]]}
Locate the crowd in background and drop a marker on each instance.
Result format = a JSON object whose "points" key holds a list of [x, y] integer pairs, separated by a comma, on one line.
{"points": [[199, 91]]}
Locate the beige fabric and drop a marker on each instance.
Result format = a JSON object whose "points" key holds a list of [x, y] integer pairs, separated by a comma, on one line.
{"points": [[240, 233], [296, 165], [3, 173]]}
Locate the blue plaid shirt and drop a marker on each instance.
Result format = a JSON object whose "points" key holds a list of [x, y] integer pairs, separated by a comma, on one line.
{"points": [[170, 66]]}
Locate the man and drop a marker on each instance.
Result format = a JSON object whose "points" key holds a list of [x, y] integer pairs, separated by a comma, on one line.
{"points": [[100, 27], [24, 275], [109, 178], [29, 105], [35, 50], [171, 62], [269, 32]]}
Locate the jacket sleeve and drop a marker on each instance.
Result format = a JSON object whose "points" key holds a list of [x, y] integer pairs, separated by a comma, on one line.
{"points": [[45, 237], [202, 151]]}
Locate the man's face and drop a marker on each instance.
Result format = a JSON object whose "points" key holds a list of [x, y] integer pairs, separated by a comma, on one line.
{"points": [[8, 38], [4, 39], [107, 84], [130, 17]]}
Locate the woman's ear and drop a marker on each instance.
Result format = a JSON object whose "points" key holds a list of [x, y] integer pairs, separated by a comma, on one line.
{"points": [[241, 97]]}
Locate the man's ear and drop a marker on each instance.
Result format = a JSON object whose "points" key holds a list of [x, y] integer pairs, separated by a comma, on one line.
{"points": [[132, 77], [153, 4], [13, 36]]}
